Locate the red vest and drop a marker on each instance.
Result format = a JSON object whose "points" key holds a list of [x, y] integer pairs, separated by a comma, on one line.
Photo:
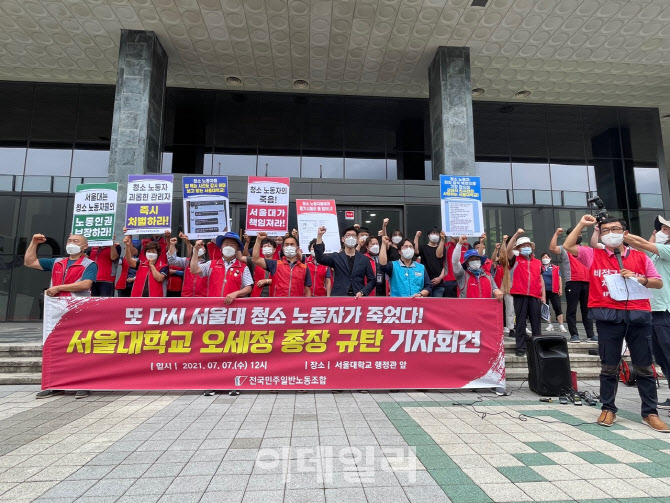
{"points": [[578, 271], [486, 266], [634, 261], [143, 275], [289, 281], [526, 277], [259, 274], [163, 253], [101, 256], [59, 276], [500, 272], [174, 282], [222, 283], [318, 273], [214, 252], [122, 282], [373, 264], [194, 286], [449, 247], [477, 288], [555, 278]]}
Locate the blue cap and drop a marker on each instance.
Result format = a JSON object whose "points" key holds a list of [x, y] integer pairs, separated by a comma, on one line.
{"points": [[228, 235], [472, 253], [136, 243]]}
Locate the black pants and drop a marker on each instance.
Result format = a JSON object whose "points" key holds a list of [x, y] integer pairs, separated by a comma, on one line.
{"points": [[125, 292], [577, 292], [451, 289], [555, 300], [173, 294], [102, 289], [526, 307], [610, 342], [660, 340]]}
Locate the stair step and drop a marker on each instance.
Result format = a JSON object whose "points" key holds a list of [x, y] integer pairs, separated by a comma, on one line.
{"points": [[20, 365], [16, 350], [20, 378]]}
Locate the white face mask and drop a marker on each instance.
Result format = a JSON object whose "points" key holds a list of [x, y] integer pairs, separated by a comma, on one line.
{"points": [[546, 261], [661, 237], [516, 253], [396, 239], [268, 251], [72, 248], [289, 251], [152, 256], [228, 252], [374, 249], [408, 253], [475, 265], [434, 238], [350, 241], [201, 252], [612, 240]]}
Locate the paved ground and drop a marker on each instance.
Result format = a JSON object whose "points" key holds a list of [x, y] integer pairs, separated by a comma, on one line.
{"points": [[349, 447]]}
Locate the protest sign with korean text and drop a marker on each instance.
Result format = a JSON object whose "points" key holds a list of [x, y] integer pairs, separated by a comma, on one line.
{"points": [[313, 214], [149, 204], [94, 212], [267, 205], [461, 205], [272, 343], [206, 210]]}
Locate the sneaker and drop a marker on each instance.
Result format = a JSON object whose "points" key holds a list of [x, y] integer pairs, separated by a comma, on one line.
{"points": [[550, 328], [520, 352], [506, 331], [664, 405], [48, 393], [654, 422], [563, 329], [233, 393], [608, 418], [574, 338], [593, 339], [528, 332], [209, 392], [82, 394]]}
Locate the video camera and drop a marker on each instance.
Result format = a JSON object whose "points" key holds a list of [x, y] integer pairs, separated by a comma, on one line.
{"points": [[601, 214]]}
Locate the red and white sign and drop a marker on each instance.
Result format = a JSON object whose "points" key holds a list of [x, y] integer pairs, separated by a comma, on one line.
{"points": [[267, 205], [348, 215], [272, 343], [313, 214]]}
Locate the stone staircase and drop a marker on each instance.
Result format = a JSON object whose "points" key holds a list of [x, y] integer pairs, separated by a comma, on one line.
{"points": [[20, 363]]}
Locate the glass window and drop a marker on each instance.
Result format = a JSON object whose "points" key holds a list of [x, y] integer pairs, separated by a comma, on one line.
{"points": [[228, 164], [12, 160], [538, 224], [543, 197], [90, 163], [647, 180], [7, 264], [527, 131], [530, 176], [491, 196], [237, 120], [37, 184], [601, 132], [370, 169], [642, 223], [428, 169], [94, 115], [365, 125], [9, 209], [62, 183], [55, 113], [574, 198], [6, 183], [593, 186], [166, 164], [490, 128], [46, 161], [569, 177], [279, 165], [564, 132], [323, 167], [44, 215], [16, 103], [498, 222], [650, 200], [523, 197], [557, 197], [638, 133], [494, 175], [27, 287], [419, 217]]}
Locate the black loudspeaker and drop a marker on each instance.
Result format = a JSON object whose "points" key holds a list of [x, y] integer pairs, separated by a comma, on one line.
{"points": [[548, 365]]}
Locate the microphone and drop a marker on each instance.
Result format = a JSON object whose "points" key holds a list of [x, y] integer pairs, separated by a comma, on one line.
{"points": [[617, 254]]}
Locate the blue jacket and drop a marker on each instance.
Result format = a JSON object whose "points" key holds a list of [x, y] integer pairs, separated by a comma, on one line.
{"points": [[407, 281], [343, 280]]}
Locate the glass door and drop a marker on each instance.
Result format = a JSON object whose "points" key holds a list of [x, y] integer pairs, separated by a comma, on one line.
{"points": [[370, 217]]}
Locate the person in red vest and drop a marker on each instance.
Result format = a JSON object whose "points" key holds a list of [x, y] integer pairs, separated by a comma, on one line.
{"points": [[527, 288], [553, 287], [104, 257], [152, 270], [322, 282], [382, 286], [124, 282], [450, 283], [228, 277], [262, 278], [473, 281], [576, 278], [616, 320], [290, 277], [71, 276], [193, 286]]}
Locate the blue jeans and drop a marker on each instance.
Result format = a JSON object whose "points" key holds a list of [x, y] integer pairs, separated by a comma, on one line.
{"points": [[438, 291]]}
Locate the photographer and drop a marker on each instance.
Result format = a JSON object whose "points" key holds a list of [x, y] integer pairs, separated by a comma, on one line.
{"points": [[618, 320]]}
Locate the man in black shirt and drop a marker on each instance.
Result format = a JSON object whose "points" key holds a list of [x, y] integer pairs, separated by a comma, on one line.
{"points": [[432, 257]]}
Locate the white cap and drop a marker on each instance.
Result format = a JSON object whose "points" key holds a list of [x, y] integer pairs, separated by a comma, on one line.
{"points": [[524, 241]]}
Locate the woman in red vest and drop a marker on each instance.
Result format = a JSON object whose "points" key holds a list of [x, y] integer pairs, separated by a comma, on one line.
{"points": [[193, 286], [152, 271], [104, 257], [553, 287], [473, 281], [262, 278], [381, 288], [322, 282], [228, 277], [527, 288], [290, 277]]}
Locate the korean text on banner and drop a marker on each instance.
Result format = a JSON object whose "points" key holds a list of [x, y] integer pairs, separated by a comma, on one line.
{"points": [[206, 209], [94, 212], [149, 204], [267, 205], [313, 214], [272, 343], [461, 205]]}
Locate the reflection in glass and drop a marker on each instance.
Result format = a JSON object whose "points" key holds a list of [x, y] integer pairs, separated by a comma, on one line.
{"points": [[593, 186], [6, 266], [494, 175], [391, 169], [491, 196], [90, 163], [530, 176], [323, 167], [647, 180], [523, 197], [47, 161], [650, 200], [279, 165], [12, 160], [37, 184], [569, 177], [6, 183], [166, 164], [369, 169], [230, 164], [557, 197], [61, 183], [574, 199], [543, 197]]}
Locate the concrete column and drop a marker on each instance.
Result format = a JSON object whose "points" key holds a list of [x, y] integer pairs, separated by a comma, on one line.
{"points": [[450, 102], [137, 128]]}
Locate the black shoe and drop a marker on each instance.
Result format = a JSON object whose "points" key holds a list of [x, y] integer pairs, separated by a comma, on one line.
{"points": [[233, 393], [593, 339], [209, 392], [664, 405], [82, 394], [48, 393], [520, 352]]}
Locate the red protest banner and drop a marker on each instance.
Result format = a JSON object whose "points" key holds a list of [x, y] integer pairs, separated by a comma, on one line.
{"points": [[262, 344]]}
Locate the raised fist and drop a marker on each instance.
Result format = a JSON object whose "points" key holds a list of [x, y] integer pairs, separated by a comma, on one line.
{"points": [[559, 231], [462, 240], [322, 230], [262, 235], [418, 234], [588, 220], [173, 241], [386, 221], [520, 231], [39, 238]]}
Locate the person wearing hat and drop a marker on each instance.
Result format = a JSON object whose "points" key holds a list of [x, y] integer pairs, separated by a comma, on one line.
{"points": [[228, 277], [408, 278], [658, 249], [527, 288], [290, 277], [473, 281]]}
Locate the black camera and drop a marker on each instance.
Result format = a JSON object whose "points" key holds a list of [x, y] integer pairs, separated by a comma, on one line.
{"points": [[601, 214]]}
